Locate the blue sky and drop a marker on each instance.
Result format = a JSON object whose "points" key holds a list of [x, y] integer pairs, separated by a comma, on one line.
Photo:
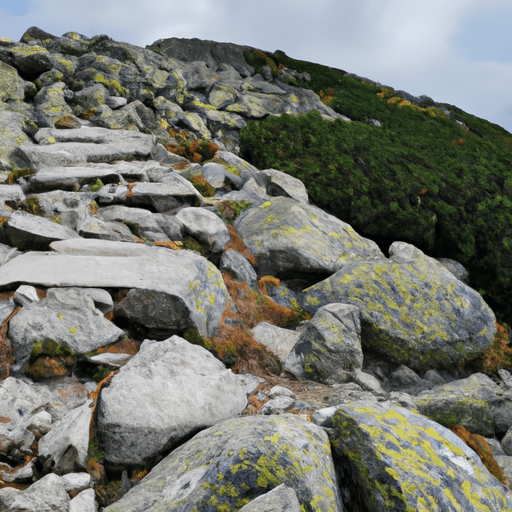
{"points": [[457, 51]]}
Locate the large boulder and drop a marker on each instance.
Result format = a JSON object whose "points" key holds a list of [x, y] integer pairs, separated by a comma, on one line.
{"points": [[288, 237], [233, 463], [81, 328], [390, 458], [104, 264], [476, 403], [167, 391], [412, 308]]}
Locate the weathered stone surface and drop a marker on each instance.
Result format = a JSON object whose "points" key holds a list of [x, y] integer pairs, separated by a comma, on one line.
{"points": [[89, 263], [328, 346], [156, 315], [239, 267], [81, 328], [389, 458], [254, 455], [45, 495], [12, 134], [11, 84], [477, 403], [135, 423], [412, 308], [206, 227], [26, 231], [67, 442], [51, 104], [290, 237], [280, 499], [83, 502], [25, 295], [31, 60], [93, 227], [172, 193], [277, 340], [86, 144], [282, 184]]}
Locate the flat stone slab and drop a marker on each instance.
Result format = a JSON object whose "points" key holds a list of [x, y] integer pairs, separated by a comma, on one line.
{"points": [[27, 231], [81, 145], [184, 274]]}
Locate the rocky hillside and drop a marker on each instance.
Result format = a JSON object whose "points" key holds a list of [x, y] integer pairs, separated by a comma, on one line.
{"points": [[183, 329]]}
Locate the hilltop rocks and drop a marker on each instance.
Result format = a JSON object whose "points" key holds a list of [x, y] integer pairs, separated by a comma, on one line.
{"points": [[196, 391], [292, 238], [412, 308], [238, 460]]}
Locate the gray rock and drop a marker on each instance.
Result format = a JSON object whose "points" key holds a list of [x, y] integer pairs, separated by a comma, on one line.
{"points": [[399, 459], [90, 98], [45, 495], [89, 263], [67, 443], [476, 403], [31, 60], [93, 227], [277, 340], [280, 499], [286, 236], [368, 382], [12, 127], [239, 267], [11, 195], [81, 328], [405, 379], [277, 405], [135, 423], [206, 227], [7, 253], [156, 315], [455, 268], [81, 145], [282, 184], [245, 170], [329, 346], [434, 377], [175, 192], [83, 502], [250, 192], [506, 442], [76, 481], [26, 231], [25, 294], [101, 299], [11, 84], [51, 105], [254, 454], [412, 308]]}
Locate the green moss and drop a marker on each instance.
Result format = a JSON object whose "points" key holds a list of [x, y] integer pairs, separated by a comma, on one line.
{"points": [[19, 173], [97, 185], [48, 347]]}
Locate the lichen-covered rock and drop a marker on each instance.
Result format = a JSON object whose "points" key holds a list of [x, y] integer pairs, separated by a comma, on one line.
{"points": [[89, 263], [80, 328], [167, 391], [31, 60], [280, 499], [51, 105], [11, 84], [290, 237], [229, 465], [477, 403], [282, 184], [328, 346], [391, 459], [412, 308]]}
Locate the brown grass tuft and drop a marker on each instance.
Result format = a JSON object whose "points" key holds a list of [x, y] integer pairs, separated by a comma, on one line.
{"points": [[238, 245]]}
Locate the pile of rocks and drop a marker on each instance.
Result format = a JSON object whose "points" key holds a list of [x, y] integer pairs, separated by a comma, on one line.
{"points": [[100, 286]]}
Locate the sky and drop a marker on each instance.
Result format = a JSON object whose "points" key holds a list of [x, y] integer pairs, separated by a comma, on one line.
{"points": [[455, 51]]}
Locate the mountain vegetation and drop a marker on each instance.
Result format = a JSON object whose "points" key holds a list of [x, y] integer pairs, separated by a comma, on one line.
{"points": [[404, 169]]}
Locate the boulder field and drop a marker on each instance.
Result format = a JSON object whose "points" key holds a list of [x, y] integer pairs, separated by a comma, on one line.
{"points": [[183, 331]]}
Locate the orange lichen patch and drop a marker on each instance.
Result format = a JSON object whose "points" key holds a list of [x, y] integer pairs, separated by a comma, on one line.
{"points": [[20, 487], [109, 316], [238, 245], [129, 194], [180, 166], [47, 367], [498, 355], [482, 449], [175, 246], [41, 293], [3, 419], [121, 294], [6, 295], [457, 141], [125, 346]]}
